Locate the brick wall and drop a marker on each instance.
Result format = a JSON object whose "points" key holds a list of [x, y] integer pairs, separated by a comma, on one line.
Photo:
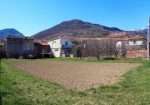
{"points": [[136, 54]]}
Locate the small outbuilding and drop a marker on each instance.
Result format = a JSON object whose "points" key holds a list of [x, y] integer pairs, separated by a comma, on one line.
{"points": [[42, 48]]}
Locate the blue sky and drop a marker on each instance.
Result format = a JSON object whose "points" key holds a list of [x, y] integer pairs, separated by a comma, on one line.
{"points": [[32, 16]]}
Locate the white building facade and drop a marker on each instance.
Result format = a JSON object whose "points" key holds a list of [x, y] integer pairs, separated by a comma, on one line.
{"points": [[61, 46], [136, 42]]}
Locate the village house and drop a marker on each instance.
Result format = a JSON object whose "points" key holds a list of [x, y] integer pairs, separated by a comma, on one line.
{"points": [[129, 40], [61, 46], [134, 45], [19, 47], [42, 48]]}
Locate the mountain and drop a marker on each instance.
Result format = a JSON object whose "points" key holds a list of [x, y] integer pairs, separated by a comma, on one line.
{"points": [[76, 28], [9, 31], [142, 32]]}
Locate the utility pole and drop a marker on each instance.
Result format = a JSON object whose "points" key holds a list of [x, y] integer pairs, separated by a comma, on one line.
{"points": [[0, 81], [148, 40]]}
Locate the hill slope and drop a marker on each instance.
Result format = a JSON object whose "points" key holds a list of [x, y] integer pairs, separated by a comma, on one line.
{"points": [[76, 28], [9, 31], [142, 32]]}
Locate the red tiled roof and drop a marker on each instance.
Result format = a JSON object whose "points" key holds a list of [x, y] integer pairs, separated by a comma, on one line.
{"points": [[42, 42], [124, 36], [118, 35], [136, 37], [62, 37]]}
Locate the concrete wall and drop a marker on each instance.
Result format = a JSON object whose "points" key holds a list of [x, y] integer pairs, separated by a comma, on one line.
{"points": [[17, 47], [55, 46], [28, 45]]}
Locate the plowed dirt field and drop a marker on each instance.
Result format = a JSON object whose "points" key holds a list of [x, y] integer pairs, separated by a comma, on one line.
{"points": [[76, 75]]}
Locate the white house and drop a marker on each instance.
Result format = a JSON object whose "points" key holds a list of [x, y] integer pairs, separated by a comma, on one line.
{"points": [[135, 42], [61, 46]]}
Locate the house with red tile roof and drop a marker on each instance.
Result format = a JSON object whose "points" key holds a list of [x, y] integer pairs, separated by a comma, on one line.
{"points": [[130, 43]]}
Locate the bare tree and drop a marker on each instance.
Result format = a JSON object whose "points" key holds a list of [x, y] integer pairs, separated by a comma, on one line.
{"points": [[104, 48], [98, 48]]}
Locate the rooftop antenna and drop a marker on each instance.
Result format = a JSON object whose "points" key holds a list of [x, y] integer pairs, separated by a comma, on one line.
{"points": [[148, 40]]}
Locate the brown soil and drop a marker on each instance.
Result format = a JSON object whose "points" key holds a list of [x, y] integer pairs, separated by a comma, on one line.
{"points": [[76, 75]]}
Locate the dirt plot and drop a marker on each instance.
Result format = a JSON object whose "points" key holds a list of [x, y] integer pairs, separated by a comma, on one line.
{"points": [[76, 75]]}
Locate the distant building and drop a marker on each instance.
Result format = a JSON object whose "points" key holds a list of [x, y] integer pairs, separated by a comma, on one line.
{"points": [[134, 44], [131, 42], [2, 48], [61, 46], [19, 47]]}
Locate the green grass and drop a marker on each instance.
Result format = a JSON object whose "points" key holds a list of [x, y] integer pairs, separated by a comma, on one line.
{"points": [[20, 88]]}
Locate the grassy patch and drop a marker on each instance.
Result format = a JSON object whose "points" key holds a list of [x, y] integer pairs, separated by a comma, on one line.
{"points": [[20, 88]]}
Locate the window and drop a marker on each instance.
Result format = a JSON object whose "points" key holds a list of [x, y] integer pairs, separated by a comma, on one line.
{"points": [[54, 41], [66, 43], [56, 49]]}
